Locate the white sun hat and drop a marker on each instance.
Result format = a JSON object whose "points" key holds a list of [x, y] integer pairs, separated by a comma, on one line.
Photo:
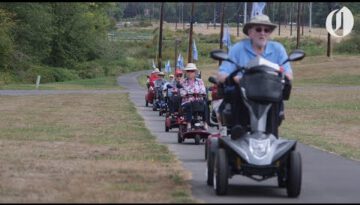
{"points": [[190, 66]]}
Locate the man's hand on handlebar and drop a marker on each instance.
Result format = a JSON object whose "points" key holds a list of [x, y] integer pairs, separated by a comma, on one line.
{"points": [[221, 77]]}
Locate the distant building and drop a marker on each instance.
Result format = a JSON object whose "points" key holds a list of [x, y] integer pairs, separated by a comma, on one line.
{"points": [[123, 24]]}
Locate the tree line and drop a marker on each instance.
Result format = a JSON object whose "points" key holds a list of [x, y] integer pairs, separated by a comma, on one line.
{"points": [[70, 34], [55, 34]]}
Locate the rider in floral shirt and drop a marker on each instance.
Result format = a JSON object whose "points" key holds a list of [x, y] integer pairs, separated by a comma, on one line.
{"points": [[192, 85]]}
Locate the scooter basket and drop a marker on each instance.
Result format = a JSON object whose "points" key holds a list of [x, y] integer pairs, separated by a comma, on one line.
{"points": [[197, 106], [261, 85]]}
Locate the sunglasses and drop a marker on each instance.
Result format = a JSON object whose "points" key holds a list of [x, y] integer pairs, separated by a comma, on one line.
{"points": [[178, 76], [259, 29], [190, 71]]}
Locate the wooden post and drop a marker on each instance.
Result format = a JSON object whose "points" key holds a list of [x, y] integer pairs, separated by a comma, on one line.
{"points": [[298, 27], [238, 20], [328, 53], [176, 45], [245, 12], [215, 15], [310, 13], [222, 27], [190, 34], [279, 15], [302, 18], [38, 81], [176, 14], [291, 11], [160, 36], [182, 15]]}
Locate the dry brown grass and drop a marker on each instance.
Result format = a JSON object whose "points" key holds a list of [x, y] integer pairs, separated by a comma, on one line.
{"points": [[322, 66], [284, 31], [83, 149]]}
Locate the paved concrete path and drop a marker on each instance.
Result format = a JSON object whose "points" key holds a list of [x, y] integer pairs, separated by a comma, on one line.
{"points": [[327, 178]]}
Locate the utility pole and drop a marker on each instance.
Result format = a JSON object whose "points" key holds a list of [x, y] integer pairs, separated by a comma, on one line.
{"points": [[177, 41], [222, 27], [160, 36], [182, 15], [152, 12], [302, 18], [176, 16], [238, 19], [215, 15], [272, 9], [222, 24], [291, 11], [310, 13], [279, 15], [190, 35], [328, 53], [245, 12], [298, 27]]}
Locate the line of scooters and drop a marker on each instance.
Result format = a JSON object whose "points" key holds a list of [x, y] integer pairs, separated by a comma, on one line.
{"points": [[248, 151]]}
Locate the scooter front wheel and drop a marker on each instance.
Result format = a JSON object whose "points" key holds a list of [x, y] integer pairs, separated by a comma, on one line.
{"points": [[210, 167], [197, 139], [293, 182], [221, 179]]}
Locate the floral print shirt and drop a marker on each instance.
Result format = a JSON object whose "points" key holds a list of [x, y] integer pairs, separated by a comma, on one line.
{"points": [[195, 86]]}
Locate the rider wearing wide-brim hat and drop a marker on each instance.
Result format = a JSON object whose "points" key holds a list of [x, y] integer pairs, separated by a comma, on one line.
{"points": [[259, 20], [190, 66], [258, 43], [192, 85]]}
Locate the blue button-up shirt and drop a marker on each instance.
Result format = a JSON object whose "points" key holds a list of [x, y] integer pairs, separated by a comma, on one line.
{"points": [[242, 52]]}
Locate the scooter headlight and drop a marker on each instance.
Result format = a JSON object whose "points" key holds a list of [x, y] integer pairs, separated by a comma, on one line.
{"points": [[259, 148]]}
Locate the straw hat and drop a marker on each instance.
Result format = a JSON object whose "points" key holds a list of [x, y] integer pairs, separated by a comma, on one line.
{"points": [[171, 76], [190, 66], [258, 20], [161, 73], [156, 70]]}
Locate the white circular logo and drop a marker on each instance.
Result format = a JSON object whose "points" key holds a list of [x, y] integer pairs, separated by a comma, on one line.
{"points": [[344, 21]]}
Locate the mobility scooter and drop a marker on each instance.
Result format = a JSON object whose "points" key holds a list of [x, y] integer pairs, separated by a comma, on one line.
{"points": [[149, 96], [173, 115], [197, 131], [159, 102], [252, 152]]}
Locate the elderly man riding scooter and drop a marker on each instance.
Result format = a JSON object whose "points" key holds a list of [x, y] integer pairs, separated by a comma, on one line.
{"points": [[193, 91], [258, 44]]}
